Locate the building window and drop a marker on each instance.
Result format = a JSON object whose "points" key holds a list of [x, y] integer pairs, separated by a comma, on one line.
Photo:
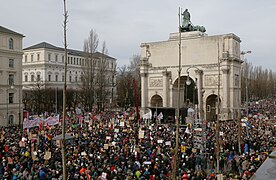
{"points": [[26, 58], [56, 58], [38, 77], [32, 78], [38, 57], [49, 77], [76, 79], [11, 79], [11, 63], [74, 60], [32, 58], [56, 78], [10, 43], [49, 57], [26, 78], [208, 108], [62, 59], [71, 60], [68, 61], [63, 78], [70, 78], [11, 96], [10, 122]]}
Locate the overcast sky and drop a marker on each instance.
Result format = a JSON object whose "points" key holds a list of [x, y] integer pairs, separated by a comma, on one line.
{"points": [[125, 24]]}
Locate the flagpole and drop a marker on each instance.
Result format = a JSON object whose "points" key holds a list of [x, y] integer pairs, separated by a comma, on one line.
{"points": [[177, 114]]}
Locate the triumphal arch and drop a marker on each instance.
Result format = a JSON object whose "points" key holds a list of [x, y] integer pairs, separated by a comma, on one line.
{"points": [[211, 63]]}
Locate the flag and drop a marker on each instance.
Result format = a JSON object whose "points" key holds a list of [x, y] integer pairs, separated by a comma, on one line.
{"points": [[49, 137], [187, 131], [160, 116], [40, 126]]}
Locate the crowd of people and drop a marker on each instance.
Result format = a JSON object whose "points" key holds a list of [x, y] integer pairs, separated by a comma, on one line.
{"points": [[113, 145]]}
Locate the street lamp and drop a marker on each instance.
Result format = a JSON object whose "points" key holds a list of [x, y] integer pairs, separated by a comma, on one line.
{"points": [[246, 79], [200, 99], [243, 53]]}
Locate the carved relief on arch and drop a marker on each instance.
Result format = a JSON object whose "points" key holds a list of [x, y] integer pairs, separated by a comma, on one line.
{"points": [[156, 82]]}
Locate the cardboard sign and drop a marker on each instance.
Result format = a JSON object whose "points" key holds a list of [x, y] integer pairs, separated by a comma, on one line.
{"points": [[160, 141], [34, 157], [47, 155], [168, 143], [105, 146], [83, 153], [183, 149], [147, 162], [141, 134]]}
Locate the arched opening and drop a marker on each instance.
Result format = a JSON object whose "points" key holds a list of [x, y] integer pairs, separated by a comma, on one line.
{"points": [[188, 92], [156, 101], [211, 107]]}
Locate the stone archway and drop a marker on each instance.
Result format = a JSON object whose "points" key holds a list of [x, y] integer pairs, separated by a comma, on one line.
{"points": [[188, 93], [211, 107], [156, 101]]}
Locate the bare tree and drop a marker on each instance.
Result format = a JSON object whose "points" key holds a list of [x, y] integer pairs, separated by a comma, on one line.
{"points": [[125, 83], [104, 76], [88, 79]]}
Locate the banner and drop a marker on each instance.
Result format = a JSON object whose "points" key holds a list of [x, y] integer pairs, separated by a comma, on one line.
{"points": [[37, 122]]}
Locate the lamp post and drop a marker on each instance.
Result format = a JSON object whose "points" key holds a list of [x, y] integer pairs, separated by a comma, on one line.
{"points": [[200, 99], [246, 85], [177, 113], [246, 80]]}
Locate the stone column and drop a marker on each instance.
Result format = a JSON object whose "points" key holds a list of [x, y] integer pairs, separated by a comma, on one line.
{"points": [[226, 94], [200, 93], [165, 88], [144, 90]]}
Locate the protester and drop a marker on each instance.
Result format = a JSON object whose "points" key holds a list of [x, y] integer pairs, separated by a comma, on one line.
{"points": [[114, 145]]}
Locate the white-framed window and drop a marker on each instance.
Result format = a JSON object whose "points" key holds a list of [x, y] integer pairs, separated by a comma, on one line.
{"points": [[11, 63], [38, 57], [26, 78], [10, 43], [62, 59], [76, 78], [49, 77], [38, 77], [70, 78], [56, 58], [26, 58], [32, 57], [56, 78], [62, 78]]}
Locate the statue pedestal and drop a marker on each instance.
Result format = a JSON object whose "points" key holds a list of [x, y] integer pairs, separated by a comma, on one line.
{"points": [[187, 35]]}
